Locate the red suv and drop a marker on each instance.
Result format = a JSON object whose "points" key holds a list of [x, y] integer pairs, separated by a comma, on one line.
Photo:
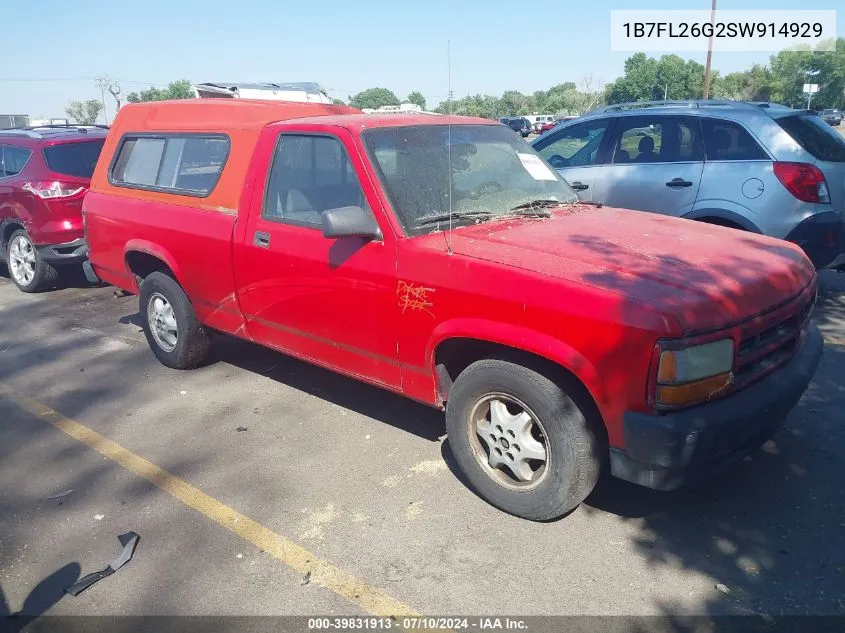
{"points": [[44, 173]]}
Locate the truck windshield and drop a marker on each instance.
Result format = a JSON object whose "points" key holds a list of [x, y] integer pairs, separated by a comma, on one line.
{"points": [[493, 172]]}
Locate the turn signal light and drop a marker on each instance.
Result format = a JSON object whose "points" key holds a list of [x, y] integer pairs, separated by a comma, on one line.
{"points": [[691, 392]]}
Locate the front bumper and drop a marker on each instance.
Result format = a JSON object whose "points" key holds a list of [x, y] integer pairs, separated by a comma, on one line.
{"points": [[822, 237], [665, 452], [74, 252]]}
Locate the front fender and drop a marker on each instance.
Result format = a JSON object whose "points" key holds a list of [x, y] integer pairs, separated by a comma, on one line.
{"points": [[521, 338], [150, 248]]}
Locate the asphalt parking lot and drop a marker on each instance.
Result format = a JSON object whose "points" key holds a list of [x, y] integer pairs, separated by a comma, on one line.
{"points": [[262, 485]]}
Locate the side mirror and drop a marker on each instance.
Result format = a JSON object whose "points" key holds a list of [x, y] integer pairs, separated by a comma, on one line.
{"points": [[350, 222]]}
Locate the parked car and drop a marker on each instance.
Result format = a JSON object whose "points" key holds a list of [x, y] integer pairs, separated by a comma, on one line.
{"points": [[548, 125], [518, 124], [769, 170], [831, 116], [44, 174], [450, 264]]}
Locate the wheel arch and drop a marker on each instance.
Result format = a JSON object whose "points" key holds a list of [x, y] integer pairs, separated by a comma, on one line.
{"points": [[723, 217], [142, 258], [7, 228], [457, 344]]}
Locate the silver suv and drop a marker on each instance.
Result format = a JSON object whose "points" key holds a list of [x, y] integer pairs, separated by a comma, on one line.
{"points": [[753, 166]]}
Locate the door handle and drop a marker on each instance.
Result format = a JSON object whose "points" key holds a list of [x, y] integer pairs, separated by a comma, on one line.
{"points": [[579, 186], [261, 239], [679, 182]]}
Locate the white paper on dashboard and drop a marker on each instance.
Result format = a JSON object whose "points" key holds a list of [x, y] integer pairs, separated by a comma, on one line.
{"points": [[536, 167]]}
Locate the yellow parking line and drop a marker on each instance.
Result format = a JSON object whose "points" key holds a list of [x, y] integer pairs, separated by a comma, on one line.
{"points": [[298, 558]]}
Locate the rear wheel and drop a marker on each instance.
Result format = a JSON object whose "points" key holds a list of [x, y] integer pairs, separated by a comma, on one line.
{"points": [[27, 268], [173, 332], [521, 440]]}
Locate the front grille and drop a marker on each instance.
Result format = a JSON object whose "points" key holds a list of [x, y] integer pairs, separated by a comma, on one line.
{"points": [[762, 352]]}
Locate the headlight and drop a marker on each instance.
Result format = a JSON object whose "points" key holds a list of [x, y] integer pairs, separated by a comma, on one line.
{"points": [[694, 374]]}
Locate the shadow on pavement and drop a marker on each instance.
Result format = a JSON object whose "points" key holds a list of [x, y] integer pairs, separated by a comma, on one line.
{"points": [[45, 594], [370, 401]]}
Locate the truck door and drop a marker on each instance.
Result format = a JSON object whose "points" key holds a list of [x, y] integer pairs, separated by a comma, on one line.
{"points": [[331, 301]]}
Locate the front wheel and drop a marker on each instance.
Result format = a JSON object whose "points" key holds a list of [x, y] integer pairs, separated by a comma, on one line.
{"points": [[27, 268], [522, 442], [173, 332]]}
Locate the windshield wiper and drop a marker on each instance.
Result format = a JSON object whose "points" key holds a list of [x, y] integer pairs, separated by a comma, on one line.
{"points": [[533, 207], [454, 215]]}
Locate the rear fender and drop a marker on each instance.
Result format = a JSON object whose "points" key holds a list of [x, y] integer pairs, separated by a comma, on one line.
{"points": [[731, 215], [151, 248]]}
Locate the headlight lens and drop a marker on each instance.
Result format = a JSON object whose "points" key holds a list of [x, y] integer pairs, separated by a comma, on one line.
{"points": [[694, 363], [694, 374]]}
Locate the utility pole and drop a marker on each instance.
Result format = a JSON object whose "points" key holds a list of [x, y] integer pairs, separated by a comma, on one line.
{"points": [[102, 82], [709, 52], [114, 89]]}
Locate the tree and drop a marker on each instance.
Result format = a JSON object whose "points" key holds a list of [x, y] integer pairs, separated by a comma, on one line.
{"points": [[559, 99], [754, 84], [373, 98], [338, 102], [791, 69], [647, 79], [485, 106], [417, 97], [84, 112], [514, 102], [180, 89], [589, 94]]}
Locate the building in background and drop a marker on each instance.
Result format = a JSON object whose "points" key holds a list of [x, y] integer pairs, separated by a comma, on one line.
{"points": [[42, 122], [13, 121]]}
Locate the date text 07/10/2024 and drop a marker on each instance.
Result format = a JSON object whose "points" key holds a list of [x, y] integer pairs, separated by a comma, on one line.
{"points": [[416, 623]]}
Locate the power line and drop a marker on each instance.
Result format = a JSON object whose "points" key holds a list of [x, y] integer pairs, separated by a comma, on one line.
{"points": [[33, 80], [50, 79]]}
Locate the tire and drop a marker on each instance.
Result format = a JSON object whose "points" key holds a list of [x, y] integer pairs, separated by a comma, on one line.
{"points": [[722, 222], [573, 448], [27, 268], [188, 345]]}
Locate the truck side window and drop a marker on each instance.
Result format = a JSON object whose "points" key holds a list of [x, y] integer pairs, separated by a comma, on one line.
{"points": [[309, 175], [186, 164]]}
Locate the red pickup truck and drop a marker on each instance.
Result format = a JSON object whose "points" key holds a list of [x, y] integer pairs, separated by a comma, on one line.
{"points": [[443, 259]]}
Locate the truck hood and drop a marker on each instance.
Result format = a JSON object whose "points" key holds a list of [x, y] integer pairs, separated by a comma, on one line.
{"points": [[704, 276]]}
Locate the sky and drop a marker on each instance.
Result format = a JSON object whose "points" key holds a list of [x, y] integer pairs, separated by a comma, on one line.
{"points": [[346, 46]]}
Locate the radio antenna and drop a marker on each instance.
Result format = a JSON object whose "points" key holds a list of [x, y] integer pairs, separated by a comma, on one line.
{"points": [[449, 141]]}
